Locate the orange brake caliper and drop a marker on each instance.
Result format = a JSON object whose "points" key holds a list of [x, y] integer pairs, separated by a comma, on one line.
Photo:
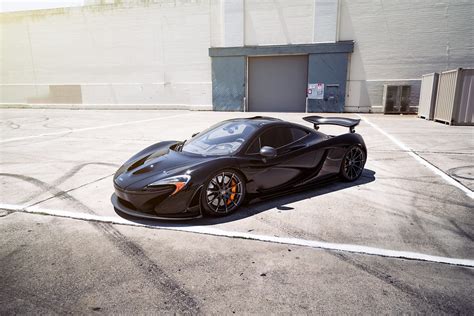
{"points": [[233, 189]]}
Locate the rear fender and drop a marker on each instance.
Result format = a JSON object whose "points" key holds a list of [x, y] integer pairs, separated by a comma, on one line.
{"points": [[336, 148]]}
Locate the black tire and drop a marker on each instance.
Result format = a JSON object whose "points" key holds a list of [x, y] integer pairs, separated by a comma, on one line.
{"points": [[223, 193], [353, 163]]}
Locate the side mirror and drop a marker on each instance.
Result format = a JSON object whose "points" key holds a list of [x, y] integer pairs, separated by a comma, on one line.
{"points": [[194, 135], [268, 152]]}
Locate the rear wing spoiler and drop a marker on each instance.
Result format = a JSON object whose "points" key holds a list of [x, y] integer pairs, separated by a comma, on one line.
{"points": [[341, 121]]}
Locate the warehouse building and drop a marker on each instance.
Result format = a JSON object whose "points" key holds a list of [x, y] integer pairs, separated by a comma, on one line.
{"points": [[231, 55]]}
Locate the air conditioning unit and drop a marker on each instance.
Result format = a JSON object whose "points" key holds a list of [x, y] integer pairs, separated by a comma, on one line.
{"points": [[396, 99]]}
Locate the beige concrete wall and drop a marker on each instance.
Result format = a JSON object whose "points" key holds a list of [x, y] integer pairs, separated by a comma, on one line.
{"points": [[396, 41], [326, 20], [109, 54], [232, 27], [290, 21], [278, 22], [156, 52]]}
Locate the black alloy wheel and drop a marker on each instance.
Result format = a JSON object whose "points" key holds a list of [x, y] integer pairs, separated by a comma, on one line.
{"points": [[223, 193], [353, 163]]}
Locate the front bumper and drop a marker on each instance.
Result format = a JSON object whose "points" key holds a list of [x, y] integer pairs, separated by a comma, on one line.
{"points": [[124, 209], [158, 204]]}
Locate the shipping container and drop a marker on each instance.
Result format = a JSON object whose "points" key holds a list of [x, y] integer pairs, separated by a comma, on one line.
{"points": [[429, 87], [455, 97]]}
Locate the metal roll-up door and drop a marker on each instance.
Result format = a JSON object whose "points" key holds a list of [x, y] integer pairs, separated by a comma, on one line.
{"points": [[277, 83]]}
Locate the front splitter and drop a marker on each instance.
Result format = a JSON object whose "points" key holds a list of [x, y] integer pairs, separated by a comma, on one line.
{"points": [[122, 208]]}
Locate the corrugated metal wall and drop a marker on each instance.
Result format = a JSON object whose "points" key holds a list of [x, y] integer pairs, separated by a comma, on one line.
{"points": [[465, 113], [455, 100], [429, 87], [445, 96]]}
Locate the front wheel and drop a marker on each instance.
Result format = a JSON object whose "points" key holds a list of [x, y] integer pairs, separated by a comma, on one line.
{"points": [[353, 163], [223, 193]]}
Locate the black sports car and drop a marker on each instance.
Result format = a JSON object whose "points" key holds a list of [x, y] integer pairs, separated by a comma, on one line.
{"points": [[217, 169]]}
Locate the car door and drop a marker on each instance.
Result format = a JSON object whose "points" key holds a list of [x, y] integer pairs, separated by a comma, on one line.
{"points": [[289, 165]]}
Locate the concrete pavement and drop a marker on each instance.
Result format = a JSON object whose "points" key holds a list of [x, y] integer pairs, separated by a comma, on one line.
{"points": [[64, 160]]}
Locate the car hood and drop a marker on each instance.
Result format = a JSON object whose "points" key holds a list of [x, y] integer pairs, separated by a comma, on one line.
{"points": [[155, 163]]}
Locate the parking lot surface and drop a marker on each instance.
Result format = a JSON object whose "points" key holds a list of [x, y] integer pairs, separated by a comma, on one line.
{"points": [[65, 249]]}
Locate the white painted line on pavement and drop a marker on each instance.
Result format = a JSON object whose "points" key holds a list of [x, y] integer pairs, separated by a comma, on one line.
{"points": [[12, 207], [91, 128], [205, 230], [421, 160]]}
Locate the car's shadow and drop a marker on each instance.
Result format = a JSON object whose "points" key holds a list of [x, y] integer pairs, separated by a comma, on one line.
{"points": [[258, 206]]}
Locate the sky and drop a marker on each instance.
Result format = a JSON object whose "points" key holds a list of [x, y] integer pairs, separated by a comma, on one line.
{"points": [[21, 5]]}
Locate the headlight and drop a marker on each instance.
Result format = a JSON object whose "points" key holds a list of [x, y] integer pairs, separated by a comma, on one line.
{"points": [[178, 181]]}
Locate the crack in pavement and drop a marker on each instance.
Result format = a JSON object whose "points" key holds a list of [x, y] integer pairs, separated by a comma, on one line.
{"points": [[70, 190], [90, 128], [446, 177], [182, 300], [203, 230], [421, 152], [434, 299]]}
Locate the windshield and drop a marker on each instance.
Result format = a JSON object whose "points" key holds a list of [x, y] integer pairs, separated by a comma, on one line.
{"points": [[224, 138]]}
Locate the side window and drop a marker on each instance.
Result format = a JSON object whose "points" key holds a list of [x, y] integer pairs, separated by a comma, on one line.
{"points": [[298, 133], [277, 137], [254, 148]]}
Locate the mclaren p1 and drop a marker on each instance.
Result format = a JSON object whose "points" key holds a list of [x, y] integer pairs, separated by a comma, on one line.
{"points": [[215, 171]]}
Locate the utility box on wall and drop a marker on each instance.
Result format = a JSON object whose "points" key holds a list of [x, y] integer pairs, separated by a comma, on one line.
{"points": [[396, 99]]}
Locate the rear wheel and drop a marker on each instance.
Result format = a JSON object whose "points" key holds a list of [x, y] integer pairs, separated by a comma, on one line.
{"points": [[353, 163], [223, 193]]}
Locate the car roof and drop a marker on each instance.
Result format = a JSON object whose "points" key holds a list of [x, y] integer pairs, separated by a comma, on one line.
{"points": [[257, 120]]}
